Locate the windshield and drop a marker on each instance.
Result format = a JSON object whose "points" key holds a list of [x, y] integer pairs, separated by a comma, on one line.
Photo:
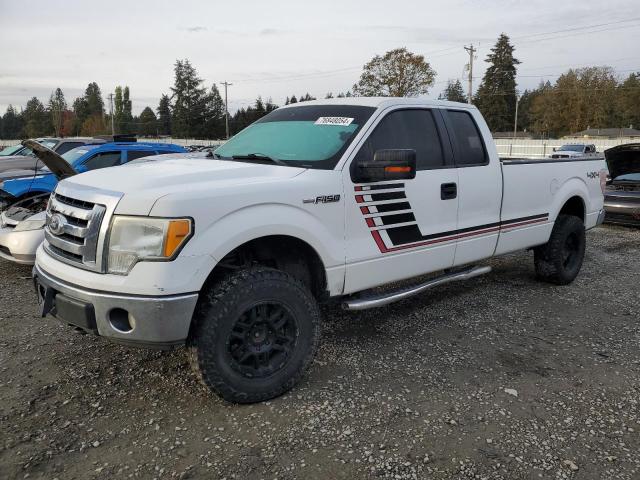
{"points": [[12, 150], [48, 142], [571, 148], [74, 154], [313, 136]]}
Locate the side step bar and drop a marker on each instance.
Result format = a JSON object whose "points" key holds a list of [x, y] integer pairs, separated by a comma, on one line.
{"points": [[364, 303]]}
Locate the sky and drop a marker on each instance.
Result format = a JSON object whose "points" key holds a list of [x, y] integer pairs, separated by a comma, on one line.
{"points": [[275, 49]]}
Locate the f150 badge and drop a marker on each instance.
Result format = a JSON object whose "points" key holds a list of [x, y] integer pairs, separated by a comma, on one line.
{"points": [[322, 199]]}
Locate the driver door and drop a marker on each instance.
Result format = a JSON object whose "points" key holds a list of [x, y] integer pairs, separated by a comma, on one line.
{"points": [[400, 229]]}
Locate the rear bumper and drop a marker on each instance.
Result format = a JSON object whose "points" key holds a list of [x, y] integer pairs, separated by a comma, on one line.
{"points": [[20, 247], [153, 321]]}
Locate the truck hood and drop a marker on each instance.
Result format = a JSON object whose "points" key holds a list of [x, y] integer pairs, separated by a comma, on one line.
{"points": [[144, 183], [58, 165], [623, 159]]}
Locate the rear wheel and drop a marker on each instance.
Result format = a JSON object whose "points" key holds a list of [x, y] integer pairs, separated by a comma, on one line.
{"points": [[254, 335], [560, 259]]}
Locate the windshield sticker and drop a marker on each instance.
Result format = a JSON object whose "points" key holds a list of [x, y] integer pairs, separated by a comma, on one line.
{"points": [[341, 121]]}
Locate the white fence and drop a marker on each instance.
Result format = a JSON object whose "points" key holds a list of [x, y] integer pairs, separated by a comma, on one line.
{"points": [[176, 141], [506, 147], [542, 148]]}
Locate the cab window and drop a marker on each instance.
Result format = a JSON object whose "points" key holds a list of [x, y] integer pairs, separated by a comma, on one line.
{"points": [[66, 146], [413, 129], [133, 155], [103, 160], [468, 144]]}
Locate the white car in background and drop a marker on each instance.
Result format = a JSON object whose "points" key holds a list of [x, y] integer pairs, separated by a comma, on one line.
{"points": [[22, 229]]}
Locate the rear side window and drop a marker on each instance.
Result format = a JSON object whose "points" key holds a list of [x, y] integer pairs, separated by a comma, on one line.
{"points": [[406, 129], [468, 141], [103, 160], [66, 146], [132, 155]]}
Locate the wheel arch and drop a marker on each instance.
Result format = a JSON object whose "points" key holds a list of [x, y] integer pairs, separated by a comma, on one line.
{"points": [[283, 252]]}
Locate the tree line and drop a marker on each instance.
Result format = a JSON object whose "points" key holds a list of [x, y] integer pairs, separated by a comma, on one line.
{"points": [[591, 97], [580, 98]]}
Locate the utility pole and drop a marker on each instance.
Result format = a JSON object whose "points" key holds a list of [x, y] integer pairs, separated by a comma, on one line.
{"points": [[226, 105], [471, 50], [515, 123], [111, 109]]}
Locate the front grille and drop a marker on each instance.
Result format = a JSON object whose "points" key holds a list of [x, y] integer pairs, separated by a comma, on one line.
{"points": [[72, 230]]}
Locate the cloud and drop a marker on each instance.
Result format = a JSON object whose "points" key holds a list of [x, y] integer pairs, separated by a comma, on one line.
{"points": [[195, 29], [271, 31]]}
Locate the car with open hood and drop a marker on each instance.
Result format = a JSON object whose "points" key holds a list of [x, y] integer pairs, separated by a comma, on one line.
{"points": [[622, 195], [22, 223], [78, 160], [20, 160]]}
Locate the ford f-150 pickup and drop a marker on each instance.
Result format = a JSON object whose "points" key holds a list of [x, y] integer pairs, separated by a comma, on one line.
{"points": [[231, 255]]}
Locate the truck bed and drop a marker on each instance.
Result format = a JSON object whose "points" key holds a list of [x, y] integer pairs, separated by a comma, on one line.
{"points": [[535, 187]]}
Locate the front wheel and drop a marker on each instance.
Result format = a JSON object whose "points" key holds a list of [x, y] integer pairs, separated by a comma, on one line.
{"points": [[254, 335], [560, 259]]}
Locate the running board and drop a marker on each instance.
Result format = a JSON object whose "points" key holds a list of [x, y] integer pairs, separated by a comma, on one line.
{"points": [[364, 303]]}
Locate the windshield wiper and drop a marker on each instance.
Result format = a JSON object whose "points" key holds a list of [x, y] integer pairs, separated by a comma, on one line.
{"points": [[259, 156]]}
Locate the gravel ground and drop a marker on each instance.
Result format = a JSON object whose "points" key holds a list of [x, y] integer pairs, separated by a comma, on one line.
{"points": [[500, 377]]}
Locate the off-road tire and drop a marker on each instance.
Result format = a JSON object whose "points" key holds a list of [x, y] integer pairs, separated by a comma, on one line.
{"points": [[559, 260], [218, 311]]}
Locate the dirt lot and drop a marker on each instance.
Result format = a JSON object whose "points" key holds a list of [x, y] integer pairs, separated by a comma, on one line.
{"points": [[500, 377]]}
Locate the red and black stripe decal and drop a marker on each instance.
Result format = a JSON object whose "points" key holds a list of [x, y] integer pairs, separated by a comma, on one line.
{"points": [[398, 231]]}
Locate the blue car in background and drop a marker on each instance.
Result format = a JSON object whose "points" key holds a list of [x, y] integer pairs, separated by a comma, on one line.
{"points": [[82, 159]]}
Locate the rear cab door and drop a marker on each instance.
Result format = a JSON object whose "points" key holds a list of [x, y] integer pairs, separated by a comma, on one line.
{"points": [[400, 229], [479, 184]]}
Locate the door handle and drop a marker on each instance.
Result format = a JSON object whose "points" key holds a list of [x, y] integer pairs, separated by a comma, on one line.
{"points": [[448, 191]]}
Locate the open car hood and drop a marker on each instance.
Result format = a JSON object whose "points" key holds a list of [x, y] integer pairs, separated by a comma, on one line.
{"points": [[58, 165], [623, 159]]}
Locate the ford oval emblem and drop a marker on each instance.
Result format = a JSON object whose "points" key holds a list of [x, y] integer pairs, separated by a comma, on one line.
{"points": [[57, 223]]}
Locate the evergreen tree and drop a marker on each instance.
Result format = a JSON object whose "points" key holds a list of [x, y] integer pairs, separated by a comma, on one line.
{"points": [[293, 99], [306, 98], [118, 110], [11, 124], [215, 121], [36, 120], [80, 114], [454, 92], [93, 97], [128, 125], [57, 106], [190, 102], [496, 96], [164, 115], [147, 123]]}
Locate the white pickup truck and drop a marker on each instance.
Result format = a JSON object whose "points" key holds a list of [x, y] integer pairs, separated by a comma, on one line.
{"points": [[231, 255]]}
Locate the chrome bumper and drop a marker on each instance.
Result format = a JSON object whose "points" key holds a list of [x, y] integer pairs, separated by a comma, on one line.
{"points": [[158, 321]]}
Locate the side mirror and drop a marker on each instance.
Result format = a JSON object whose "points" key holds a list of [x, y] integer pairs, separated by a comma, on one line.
{"points": [[387, 165], [554, 149]]}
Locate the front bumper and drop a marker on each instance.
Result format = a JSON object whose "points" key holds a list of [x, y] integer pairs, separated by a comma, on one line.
{"points": [[20, 247], [622, 209], [154, 321]]}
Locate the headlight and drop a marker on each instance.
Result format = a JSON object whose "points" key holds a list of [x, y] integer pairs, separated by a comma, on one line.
{"points": [[133, 239], [25, 225]]}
